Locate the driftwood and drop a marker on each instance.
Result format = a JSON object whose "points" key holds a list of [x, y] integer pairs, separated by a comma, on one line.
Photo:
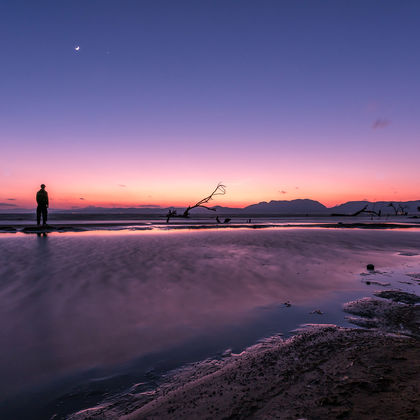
{"points": [[227, 220], [399, 210], [363, 210], [219, 190]]}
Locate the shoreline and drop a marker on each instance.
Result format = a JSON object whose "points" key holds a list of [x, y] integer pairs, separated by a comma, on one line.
{"points": [[324, 371], [87, 227]]}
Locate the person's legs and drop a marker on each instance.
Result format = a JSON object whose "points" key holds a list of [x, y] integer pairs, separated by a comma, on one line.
{"points": [[38, 215], [44, 215]]}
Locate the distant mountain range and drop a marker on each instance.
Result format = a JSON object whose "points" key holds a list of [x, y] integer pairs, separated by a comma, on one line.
{"points": [[283, 207], [301, 206], [306, 206]]}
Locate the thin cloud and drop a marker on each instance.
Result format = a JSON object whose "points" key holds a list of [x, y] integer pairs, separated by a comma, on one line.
{"points": [[155, 206], [7, 205], [11, 199], [380, 123], [283, 192], [122, 185], [81, 198]]}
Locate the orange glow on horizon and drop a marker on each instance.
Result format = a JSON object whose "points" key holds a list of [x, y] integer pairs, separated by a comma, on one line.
{"points": [[262, 177], [117, 201]]}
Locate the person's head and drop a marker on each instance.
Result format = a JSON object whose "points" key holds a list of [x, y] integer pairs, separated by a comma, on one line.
{"points": [[42, 186]]}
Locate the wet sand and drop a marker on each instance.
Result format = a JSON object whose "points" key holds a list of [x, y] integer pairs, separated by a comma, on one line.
{"points": [[324, 372], [200, 224]]}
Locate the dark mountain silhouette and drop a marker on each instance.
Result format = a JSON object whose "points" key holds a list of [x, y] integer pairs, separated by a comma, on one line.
{"points": [[300, 206], [351, 206], [283, 207]]}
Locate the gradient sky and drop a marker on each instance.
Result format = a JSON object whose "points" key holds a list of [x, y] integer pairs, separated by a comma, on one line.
{"points": [[277, 99]]}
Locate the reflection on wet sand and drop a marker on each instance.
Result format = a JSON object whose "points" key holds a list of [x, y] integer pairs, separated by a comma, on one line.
{"points": [[70, 303]]}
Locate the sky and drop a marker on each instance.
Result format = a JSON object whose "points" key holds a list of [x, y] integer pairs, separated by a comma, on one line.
{"points": [[133, 103]]}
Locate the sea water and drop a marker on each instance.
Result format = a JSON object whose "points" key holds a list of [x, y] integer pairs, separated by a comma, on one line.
{"points": [[86, 315]]}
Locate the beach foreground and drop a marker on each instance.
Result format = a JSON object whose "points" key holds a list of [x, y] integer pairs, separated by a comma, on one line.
{"points": [[100, 327], [323, 372]]}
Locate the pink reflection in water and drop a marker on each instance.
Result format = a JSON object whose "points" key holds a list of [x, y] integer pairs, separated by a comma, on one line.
{"points": [[73, 301]]}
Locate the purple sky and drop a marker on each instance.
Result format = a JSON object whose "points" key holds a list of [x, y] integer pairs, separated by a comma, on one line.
{"points": [[277, 99]]}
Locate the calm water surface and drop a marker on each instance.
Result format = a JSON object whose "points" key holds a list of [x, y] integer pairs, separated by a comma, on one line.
{"points": [[86, 315]]}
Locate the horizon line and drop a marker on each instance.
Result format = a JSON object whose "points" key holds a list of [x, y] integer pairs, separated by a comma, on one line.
{"points": [[6, 207]]}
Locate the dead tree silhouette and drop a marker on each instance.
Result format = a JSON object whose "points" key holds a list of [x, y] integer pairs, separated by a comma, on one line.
{"points": [[400, 210], [219, 190]]}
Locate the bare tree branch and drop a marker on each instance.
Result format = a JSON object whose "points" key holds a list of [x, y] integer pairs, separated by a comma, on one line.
{"points": [[399, 210], [353, 214], [219, 190], [393, 206]]}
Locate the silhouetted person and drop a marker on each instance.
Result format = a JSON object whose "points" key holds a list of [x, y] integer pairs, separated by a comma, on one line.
{"points": [[42, 201]]}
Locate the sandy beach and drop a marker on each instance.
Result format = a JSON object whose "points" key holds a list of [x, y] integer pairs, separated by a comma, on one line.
{"points": [[323, 372]]}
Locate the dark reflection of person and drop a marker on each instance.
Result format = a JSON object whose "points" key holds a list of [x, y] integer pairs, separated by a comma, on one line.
{"points": [[42, 201]]}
